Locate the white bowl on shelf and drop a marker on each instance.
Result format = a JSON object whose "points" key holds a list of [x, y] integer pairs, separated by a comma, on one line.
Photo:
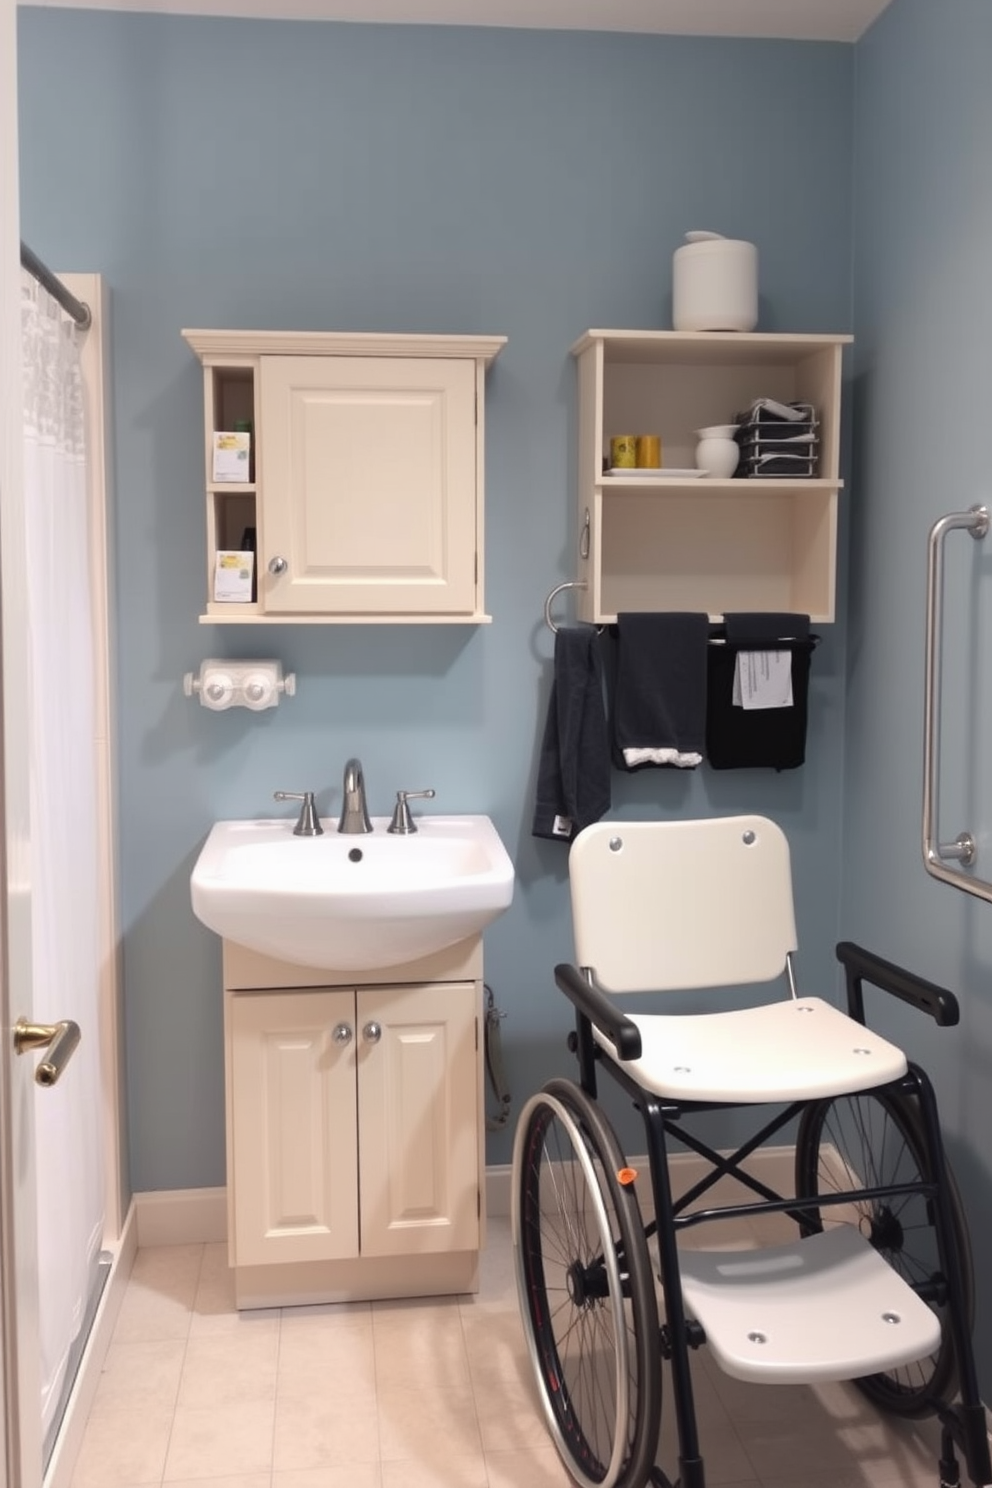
{"points": [[717, 452]]}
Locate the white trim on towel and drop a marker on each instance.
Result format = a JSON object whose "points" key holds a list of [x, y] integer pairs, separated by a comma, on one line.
{"points": [[687, 760]]}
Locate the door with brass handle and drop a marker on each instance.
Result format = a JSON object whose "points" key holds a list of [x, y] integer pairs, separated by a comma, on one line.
{"points": [[60, 1039]]}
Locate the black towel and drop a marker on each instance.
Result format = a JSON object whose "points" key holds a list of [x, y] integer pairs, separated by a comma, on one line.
{"points": [[659, 705], [760, 629], [772, 738], [573, 773]]}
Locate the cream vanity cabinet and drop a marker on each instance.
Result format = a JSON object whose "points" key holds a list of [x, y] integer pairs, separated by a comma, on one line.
{"points": [[365, 497], [684, 543], [354, 1128]]}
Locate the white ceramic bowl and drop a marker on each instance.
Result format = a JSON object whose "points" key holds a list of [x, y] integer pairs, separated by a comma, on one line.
{"points": [[717, 452]]}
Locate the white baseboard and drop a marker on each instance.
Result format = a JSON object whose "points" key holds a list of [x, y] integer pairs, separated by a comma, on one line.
{"points": [[67, 1443], [195, 1216], [181, 1216]]}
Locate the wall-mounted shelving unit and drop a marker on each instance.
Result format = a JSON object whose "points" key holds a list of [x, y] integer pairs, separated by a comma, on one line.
{"points": [[703, 544]]}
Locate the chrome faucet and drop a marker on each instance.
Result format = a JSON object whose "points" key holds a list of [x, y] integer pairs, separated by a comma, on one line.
{"points": [[354, 812]]}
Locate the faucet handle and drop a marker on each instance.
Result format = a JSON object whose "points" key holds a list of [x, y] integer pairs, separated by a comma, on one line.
{"points": [[309, 822], [402, 821]]}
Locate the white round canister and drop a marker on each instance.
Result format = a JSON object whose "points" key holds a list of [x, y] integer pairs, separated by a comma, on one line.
{"points": [[714, 284]]}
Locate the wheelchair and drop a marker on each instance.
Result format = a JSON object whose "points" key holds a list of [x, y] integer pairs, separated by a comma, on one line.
{"points": [[874, 1284]]}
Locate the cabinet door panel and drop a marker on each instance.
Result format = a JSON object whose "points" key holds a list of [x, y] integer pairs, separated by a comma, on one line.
{"points": [[295, 1140], [419, 1120], [369, 480]]}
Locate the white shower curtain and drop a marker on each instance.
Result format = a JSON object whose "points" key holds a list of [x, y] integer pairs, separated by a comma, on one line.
{"points": [[64, 838]]}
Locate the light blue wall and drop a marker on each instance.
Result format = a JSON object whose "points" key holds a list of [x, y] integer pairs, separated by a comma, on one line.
{"points": [[529, 184], [923, 318]]}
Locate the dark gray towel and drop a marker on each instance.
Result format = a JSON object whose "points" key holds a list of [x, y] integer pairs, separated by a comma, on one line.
{"points": [[573, 773], [659, 706]]}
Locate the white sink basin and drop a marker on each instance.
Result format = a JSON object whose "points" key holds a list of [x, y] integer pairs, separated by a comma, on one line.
{"points": [[351, 903]]}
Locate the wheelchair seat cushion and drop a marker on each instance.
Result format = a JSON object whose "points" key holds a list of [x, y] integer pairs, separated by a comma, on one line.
{"points": [[800, 1049]]}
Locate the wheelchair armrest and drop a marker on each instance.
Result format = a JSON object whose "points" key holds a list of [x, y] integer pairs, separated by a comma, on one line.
{"points": [[624, 1035], [926, 996]]}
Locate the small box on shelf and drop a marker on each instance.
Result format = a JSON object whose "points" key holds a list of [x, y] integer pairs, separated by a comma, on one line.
{"points": [[232, 456], [233, 574]]}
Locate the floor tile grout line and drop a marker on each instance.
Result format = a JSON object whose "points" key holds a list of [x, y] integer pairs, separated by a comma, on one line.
{"points": [[280, 1319], [179, 1383]]}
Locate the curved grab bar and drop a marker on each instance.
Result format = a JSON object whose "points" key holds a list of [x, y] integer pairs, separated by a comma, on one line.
{"points": [[962, 850]]}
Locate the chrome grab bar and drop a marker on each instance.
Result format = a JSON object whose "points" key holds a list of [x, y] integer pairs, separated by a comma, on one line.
{"points": [[963, 849]]}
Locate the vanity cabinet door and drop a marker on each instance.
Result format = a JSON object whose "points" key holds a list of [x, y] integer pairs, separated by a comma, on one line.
{"points": [[369, 475], [419, 1118], [294, 1142]]}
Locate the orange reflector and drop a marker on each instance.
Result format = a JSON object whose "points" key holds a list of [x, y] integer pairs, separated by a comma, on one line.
{"points": [[626, 1175]]}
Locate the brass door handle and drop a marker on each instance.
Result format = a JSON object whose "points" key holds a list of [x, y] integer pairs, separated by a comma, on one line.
{"points": [[60, 1039]]}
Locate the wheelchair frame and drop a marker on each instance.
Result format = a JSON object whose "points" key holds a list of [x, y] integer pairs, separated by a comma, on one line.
{"points": [[962, 1422]]}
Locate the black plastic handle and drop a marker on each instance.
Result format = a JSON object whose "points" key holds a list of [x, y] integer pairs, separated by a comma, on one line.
{"points": [[591, 1000], [919, 993]]}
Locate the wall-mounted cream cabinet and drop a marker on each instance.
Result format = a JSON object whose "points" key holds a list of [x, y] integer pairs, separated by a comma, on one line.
{"points": [[354, 1128], [703, 544], [365, 496]]}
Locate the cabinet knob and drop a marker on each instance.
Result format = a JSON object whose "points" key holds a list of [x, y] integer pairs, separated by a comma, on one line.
{"points": [[372, 1033], [277, 565], [342, 1034]]}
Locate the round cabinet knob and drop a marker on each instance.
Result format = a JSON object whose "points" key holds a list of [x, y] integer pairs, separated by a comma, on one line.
{"points": [[372, 1033], [277, 566], [342, 1034]]}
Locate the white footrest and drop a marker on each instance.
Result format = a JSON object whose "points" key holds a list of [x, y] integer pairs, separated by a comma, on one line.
{"points": [[825, 1308]]}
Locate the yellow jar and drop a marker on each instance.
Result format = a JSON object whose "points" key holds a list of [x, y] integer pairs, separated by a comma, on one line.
{"points": [[649, 451], [623, 452]]}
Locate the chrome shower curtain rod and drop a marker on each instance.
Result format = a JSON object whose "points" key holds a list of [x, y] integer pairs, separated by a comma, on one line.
{"points": [[79, 312]]}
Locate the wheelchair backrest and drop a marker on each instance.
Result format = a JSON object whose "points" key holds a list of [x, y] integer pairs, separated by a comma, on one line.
{"points": [[670, 905]]}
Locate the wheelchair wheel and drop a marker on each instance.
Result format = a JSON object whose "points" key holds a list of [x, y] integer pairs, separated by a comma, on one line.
{"points": [[587, 1297], [875, 1140]]}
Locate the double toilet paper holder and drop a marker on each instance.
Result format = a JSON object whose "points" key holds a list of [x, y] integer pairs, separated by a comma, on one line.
{"points": [[224, 684]]}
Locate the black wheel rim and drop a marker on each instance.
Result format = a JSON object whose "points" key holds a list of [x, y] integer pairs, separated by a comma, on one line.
{"points": [[589, 1311], [573, 1327]]}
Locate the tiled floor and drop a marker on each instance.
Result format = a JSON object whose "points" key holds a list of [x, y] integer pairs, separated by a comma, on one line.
{"points": [[433, 1394]]}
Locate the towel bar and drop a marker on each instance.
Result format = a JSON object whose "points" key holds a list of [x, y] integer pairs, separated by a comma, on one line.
{"points": [[936, 854], [559, 589]]}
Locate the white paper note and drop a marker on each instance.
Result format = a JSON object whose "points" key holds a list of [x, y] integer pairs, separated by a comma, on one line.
{"points": [[763, 679]]}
